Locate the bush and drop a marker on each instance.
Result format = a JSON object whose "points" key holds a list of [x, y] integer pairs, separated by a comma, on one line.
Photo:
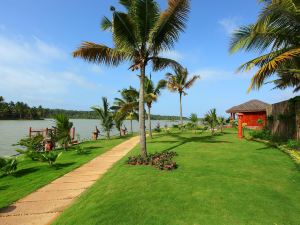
{"points": [[81, 151], [34, 146], [157, 128], [261, 134], [160, 160], [8, 165], [175, 126], [293, 144], [51, 157]]}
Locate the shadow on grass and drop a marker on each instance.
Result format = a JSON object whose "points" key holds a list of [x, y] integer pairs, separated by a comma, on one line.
{"points": [[24, 172], [181, 140], [59, 166], [4, 187]]}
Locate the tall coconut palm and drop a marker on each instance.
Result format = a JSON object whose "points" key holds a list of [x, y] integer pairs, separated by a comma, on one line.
{"points": [[151, 94], [105, 116], [276, 33], [128, 105], [139, 34], [179, 82]]}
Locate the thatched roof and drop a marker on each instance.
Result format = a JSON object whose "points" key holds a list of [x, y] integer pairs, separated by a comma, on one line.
{"points": [[250, 106]]}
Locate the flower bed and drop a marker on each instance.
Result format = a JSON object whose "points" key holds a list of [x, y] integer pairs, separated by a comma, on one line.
{"points": [[161, 160]]}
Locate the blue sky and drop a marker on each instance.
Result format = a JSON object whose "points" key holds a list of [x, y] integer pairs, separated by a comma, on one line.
{"points": [[38, 37]]}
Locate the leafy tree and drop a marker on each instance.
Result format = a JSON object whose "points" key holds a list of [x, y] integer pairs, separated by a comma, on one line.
{"points": [[139, 34], [222, 122], [63, 127], [105, 116], [275, 32], [151, 94], [127, 106], [211, 119], [179, 83]]}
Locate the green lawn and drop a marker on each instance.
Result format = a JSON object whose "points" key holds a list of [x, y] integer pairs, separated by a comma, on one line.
{"points": [[32, 175], [220, 180]]}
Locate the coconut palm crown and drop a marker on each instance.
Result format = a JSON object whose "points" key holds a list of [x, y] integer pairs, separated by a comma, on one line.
{"points": [[275, 35], [179, 82], [139, 35]]}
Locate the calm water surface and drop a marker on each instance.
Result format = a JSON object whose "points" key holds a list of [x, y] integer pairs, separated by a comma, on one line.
{"points": [[11, 131]]}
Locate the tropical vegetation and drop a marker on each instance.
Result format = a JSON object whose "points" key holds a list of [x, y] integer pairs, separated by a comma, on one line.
{"points": [[62, 130], [106, 116], [179, 82], [151, 94], [127, 106], [140, 34], [275, 35], [211, 119]]}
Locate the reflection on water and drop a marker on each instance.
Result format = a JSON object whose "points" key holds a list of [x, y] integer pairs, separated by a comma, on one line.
{"points": [[11, 131]]}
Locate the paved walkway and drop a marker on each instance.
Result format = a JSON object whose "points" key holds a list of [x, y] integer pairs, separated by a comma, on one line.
{"points": [[44, 205]]}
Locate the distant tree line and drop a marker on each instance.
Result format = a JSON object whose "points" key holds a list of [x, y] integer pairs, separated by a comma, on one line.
{"points": [[21, 110]]}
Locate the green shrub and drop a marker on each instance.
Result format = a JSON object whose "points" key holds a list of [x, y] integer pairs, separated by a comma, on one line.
{"points": [[51, 157], [157, 128], [261, 134], [8, 165], [34, 146], [294, 144], [175, 126], [81, 151]]}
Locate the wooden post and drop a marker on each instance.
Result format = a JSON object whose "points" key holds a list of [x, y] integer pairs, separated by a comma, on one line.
{"points": [[46, 132], [73, 133], [240, 125], [30, 130]]}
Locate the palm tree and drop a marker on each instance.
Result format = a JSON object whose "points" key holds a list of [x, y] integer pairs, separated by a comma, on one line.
{"points": [[128, 105], [139, 34], [179, 83], [275, 32], [221, 121], [211, 119], [151, 94], [194, 120], [63, 127], [106, 116]]}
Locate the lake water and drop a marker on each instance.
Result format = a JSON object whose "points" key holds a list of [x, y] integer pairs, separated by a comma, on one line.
{"points": [[11, 131]]}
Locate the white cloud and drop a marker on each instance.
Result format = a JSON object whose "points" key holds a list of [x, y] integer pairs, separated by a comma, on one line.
{"points": [[229, 25], [217, 74], [172, 55], [35, 69]]}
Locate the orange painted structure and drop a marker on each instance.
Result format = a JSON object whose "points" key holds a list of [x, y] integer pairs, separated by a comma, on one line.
{"points": [[249, 115]]}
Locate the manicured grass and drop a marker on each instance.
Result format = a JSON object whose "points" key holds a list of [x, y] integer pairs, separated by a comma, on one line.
{"points": [[220, 180], [32, 175]]}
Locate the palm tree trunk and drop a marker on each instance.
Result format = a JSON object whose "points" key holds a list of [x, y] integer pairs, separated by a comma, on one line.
{"points": [[149, 121], [107, 135], [142, 114], [131, 126], [180, 100]]}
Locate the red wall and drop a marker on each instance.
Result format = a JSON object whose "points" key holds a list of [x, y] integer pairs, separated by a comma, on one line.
{"points": [[252, 117]]}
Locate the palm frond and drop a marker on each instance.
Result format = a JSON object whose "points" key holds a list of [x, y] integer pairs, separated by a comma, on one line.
{"points": [[190, 82], [106, 24], [160, 63], [170, 23], [100, 54], [146, 13]]}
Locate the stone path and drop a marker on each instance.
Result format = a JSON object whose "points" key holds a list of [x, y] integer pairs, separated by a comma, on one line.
{"points": [[44, 205]]}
